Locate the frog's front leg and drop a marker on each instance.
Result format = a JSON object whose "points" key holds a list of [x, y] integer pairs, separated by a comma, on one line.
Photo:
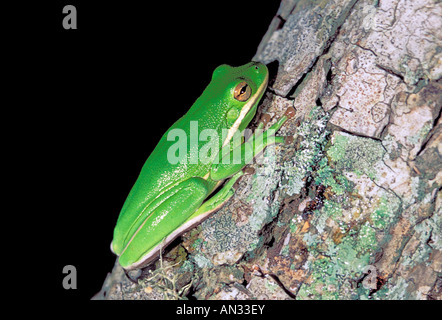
{"points": [[234, 160]]}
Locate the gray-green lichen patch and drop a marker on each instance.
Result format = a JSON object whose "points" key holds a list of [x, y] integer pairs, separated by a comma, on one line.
{"points": [[312, 134], [360, 161], [352, 154], [332, 178], [338, 262], [201, 261]]}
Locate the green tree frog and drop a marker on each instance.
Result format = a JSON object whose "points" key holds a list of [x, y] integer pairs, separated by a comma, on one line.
{"points": [[169, 196]]}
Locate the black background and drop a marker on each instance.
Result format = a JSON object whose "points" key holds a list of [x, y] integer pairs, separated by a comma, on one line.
{"points": [[104, 94], [88, 106]]}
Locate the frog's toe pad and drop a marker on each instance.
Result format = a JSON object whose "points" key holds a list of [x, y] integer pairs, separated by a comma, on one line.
{"points": [[290, 112]]}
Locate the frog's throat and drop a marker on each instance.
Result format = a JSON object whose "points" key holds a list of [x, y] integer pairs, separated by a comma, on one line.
{"points": [[246, 109]]}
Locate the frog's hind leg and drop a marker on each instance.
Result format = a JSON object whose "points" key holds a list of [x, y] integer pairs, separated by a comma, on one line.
{"points": [[190, 205], [164, 223]]}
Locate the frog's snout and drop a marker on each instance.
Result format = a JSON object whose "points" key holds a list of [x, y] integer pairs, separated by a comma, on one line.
{"points": [[256, 65]]}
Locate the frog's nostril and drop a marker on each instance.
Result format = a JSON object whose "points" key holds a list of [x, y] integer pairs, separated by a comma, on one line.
{"points": [[257, 67]]}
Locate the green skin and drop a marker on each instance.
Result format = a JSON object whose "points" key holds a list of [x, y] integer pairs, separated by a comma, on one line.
{"points": [[169, 199]]}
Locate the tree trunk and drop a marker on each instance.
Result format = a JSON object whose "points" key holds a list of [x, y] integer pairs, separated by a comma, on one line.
{"points": [[350, 206]]}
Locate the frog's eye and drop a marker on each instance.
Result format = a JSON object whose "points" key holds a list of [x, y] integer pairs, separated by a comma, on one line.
{"points": [[242, 91]]}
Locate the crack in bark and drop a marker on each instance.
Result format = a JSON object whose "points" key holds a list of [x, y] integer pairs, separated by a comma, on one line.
{"points": [[281, 285], [366, 49], [357, 134], [430, 134], [281, 22], [390, 71], [325, 50]]}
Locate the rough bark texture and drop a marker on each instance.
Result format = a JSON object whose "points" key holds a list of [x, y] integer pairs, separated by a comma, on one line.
{"points": [[350, 208]]}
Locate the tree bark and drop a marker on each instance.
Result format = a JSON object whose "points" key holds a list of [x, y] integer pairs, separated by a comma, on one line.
{"points": [[350, 206]]}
